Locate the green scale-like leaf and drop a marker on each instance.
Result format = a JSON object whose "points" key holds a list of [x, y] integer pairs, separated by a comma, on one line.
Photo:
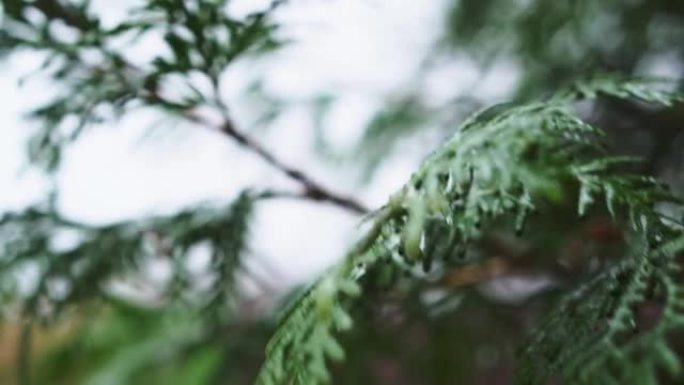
{"points": [[501, 163]]}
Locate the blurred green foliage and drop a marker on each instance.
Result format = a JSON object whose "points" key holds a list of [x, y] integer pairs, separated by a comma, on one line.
{"points": [[547, 44], [427, 314]]}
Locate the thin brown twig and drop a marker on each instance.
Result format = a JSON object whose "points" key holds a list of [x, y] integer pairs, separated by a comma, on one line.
{"points": [[312, 190]]}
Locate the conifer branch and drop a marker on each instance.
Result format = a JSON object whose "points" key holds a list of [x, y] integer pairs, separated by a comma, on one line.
{"points": [[501, 165], [127, 84]]}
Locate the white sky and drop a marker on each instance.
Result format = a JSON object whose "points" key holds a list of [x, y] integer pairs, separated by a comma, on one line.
{"points": [[361, 50]]}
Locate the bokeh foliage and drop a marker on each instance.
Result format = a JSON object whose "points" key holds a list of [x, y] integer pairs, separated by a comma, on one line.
{"points": [[586, 212]]}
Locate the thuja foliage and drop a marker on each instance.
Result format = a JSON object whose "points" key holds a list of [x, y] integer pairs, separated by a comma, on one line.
{"points": [[52, 268], [501, 166], [75, 266], [99, 81], [77, 261]]}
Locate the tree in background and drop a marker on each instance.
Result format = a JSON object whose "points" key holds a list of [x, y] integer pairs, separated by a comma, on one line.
{"points": [[571, 187]]}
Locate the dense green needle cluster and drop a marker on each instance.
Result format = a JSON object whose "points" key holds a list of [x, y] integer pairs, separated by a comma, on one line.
{"points": [[503, 164]]}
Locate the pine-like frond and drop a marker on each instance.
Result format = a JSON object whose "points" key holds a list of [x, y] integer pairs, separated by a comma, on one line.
{"points": [[98, 81], [651, 90], [613, 329], [73, 271], [502, 164]]}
